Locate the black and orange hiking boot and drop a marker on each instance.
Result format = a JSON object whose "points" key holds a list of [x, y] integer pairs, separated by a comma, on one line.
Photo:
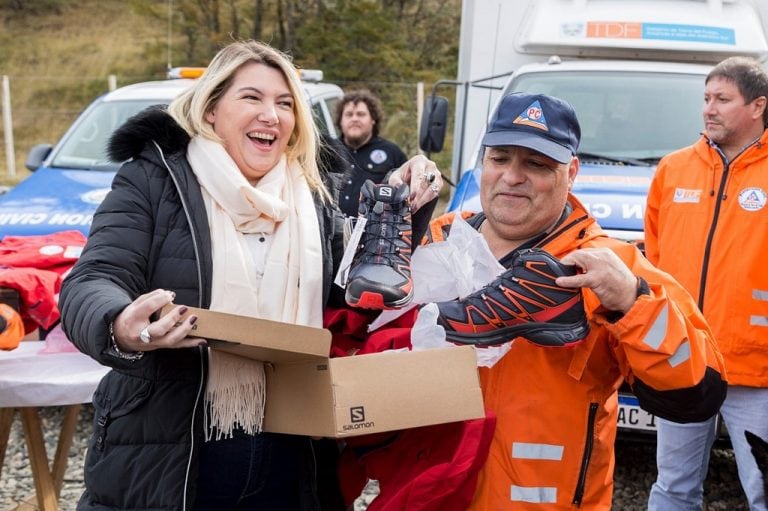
{"points": [[524, 301], [380, 274]]}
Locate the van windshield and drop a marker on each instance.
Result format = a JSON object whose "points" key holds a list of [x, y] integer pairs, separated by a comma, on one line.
{"points": [[85, 147], [626, 115]]}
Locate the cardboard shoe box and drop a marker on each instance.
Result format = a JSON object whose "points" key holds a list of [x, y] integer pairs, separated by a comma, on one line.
{"points": [[309, 393]]}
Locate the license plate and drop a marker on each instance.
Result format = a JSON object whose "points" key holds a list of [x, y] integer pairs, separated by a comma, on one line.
{"points": [[631, 416]]}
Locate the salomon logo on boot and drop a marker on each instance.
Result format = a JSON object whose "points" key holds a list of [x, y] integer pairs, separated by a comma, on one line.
{"points": [[380, 277], [523, 302]]}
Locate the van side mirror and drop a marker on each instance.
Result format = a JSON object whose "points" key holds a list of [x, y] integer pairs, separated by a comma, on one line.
{"points": [[37, 155], [434, 120]]}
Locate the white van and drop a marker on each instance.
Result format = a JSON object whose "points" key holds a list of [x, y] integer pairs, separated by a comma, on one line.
{"points": [[634, 71], [69, 180]]}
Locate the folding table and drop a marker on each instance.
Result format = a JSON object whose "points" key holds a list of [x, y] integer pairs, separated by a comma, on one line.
{"points": [[30, 380]]}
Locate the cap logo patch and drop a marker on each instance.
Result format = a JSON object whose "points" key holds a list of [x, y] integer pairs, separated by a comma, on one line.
{"points": [[533, 116]]}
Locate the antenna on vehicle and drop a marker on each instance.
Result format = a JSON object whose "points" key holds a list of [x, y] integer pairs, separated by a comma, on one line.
{"points": [[493, 59], [170, 22]]}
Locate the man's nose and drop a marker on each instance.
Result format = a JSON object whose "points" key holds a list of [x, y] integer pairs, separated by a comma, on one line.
{"points": [[514, 172], [708, 108]]}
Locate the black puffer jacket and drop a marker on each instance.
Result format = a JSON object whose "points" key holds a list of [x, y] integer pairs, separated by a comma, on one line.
{"points": [[150, 232]]}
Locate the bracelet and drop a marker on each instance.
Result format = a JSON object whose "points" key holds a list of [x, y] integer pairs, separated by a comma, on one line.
{"points": [[132, 356]]}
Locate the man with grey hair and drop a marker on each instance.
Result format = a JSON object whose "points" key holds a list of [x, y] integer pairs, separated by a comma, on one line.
{"points": [[706, 225]]}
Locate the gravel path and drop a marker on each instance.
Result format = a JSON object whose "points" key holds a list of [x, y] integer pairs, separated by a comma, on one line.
{"points": [[635, 470], [16, 480]]}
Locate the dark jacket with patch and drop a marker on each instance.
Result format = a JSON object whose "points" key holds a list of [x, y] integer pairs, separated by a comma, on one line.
{"points": [[373, 161], [150, 232]]}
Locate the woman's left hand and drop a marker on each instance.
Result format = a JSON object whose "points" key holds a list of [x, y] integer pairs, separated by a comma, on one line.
{"points": [[423, 178]]}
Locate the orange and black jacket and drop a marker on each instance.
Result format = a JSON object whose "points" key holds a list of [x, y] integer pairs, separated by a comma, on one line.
{"points": [[557, 408], [707, 224]]}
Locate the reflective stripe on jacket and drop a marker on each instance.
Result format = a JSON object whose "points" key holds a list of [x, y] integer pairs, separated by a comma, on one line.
{"points": [[707, 224], [557, 407]]}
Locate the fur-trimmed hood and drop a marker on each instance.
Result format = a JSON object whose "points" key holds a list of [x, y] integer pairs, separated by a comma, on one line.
{"points": [[151, 124]]}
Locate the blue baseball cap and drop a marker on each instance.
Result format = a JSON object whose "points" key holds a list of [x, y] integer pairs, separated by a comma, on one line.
{"points": [[543, 123]]}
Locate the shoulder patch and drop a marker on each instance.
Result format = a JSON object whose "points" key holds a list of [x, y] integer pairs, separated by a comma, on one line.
{"points": [[752, 199]]}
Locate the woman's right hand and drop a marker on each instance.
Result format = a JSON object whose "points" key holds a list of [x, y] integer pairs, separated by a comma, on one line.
{"points": [[423, 177], [167, 332]]}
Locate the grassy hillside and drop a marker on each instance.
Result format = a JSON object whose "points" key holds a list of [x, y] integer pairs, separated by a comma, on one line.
{"points": [[58, 59], [58, 62]]}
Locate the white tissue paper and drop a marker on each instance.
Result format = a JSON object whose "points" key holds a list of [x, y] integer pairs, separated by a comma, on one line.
{"points": [[446, 270]]}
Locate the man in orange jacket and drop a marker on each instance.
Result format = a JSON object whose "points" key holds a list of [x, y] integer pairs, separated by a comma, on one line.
{"points": [[706, 225], [556, 407]]}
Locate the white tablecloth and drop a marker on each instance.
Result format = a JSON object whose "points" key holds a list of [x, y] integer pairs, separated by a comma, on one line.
{"points": [[29, 378]]}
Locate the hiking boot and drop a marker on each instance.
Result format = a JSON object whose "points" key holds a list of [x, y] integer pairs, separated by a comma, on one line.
{"points": [[380, 275], [524, 301]]}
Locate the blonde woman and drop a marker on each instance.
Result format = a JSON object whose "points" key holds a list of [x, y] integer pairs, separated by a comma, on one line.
{"points": [[221, 206]]}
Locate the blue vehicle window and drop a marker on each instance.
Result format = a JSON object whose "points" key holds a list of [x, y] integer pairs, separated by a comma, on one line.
{"points": [[85, 146], [627, 115]]}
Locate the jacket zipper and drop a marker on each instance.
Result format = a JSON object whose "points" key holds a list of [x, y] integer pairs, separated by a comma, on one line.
{"points": [[185, 206], [188, 216], [711, 234], [588, 445]]}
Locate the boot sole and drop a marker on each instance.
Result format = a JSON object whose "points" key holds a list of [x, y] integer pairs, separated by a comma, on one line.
{"points": [[375, 301], [545, 334]]}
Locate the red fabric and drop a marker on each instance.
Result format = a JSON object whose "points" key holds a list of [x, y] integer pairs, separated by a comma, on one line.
{"points": [[38, 291], [350, 336], [421, 469], [434, 468], [34, 266], [56, 252]]}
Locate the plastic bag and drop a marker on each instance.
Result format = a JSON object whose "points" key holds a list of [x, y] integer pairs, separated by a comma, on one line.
{"points": [[56, 342], [446, 270]]}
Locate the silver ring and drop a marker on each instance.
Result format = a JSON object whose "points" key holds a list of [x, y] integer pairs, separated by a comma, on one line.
{"points": [[434, 188], [144, 335], [429, 177]]}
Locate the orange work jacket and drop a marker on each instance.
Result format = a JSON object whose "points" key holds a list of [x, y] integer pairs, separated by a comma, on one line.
{"points": [[556, 408], [707, 224]]}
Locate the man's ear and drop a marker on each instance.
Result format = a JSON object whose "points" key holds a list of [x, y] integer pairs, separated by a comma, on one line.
{"points": [[573, 169], [760, 105]]}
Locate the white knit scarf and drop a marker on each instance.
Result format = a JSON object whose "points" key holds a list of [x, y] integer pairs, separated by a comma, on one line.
{"points": [[290, 289]]}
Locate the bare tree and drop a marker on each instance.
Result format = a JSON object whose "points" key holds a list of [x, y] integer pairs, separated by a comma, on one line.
{"points": [[280, 21], [234, 19], [289, 43], [209, 9], [258, 19]]}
